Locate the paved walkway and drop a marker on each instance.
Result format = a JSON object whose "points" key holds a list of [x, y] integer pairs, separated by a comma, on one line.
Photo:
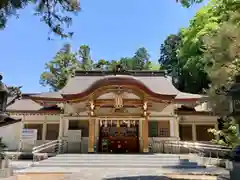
{"points": [[133, 176], [107, 174], [73, 173], [20, 165]]}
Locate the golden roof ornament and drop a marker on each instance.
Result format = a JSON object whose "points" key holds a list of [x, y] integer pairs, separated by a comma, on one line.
{"points": [[118, 101]]}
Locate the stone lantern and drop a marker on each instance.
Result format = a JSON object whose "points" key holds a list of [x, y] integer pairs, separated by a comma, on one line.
{"points": [[234, 95], [3, 99]]}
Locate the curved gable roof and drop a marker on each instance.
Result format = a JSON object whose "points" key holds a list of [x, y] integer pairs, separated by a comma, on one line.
{"points": [[84, 86], [83, 83]]}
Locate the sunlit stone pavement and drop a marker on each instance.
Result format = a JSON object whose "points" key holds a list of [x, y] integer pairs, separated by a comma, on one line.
{"points": [[117, 173], [111, 173], [25, 172]]}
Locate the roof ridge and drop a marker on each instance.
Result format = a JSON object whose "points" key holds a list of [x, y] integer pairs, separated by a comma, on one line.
{"points": [[147, 73]]}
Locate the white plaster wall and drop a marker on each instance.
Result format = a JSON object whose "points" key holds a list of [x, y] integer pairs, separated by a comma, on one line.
{"points": [[11, 135], [162, 110]]}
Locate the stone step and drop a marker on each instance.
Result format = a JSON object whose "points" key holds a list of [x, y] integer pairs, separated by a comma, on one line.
{"points": [[118, 162], [113, 159], [118, 165], [119, 155], [106, 159]]}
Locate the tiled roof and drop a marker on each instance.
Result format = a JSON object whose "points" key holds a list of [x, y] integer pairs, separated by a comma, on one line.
{"points": [[48, 94], [24, 104], [8, 121], [182, 95], [28, 105], [157, 81], [158, 84]]}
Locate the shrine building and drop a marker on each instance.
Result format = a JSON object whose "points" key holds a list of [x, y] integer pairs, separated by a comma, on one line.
{"points": [[113, 112]]}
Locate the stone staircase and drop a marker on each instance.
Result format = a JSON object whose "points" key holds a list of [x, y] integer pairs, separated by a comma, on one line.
{"points": [[118, 161]]}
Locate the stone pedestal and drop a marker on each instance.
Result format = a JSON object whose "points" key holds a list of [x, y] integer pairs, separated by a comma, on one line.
{"points": [[235, 157], [235, 171]]}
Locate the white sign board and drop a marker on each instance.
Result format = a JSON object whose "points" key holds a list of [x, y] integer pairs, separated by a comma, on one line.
{"points": [[29, 135]]}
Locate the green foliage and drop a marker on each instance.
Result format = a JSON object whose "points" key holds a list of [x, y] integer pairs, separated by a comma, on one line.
{"points": [[204, 57], [155, 67], [55, 13], [102, 65], [141, 59], [66, 62], [168, 52], [222, 61], [60, 68], [188, 50], [2, 148], [222, 53], [188, 3], [85, 58], [190, 74], [228, 135]]}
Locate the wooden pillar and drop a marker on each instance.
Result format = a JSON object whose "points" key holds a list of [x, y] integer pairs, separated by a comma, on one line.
{"points": [[20, 145], [172, 127], [194, 132], [145, 134], [176, 128], [61, 126], [97, 125], [44, 131], [91, 135]]}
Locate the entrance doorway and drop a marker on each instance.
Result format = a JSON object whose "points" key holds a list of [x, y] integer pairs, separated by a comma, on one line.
{"points": [[119, 136]]}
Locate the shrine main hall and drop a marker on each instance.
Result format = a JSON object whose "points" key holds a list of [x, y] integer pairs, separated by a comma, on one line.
{"points": [[113, 112]]}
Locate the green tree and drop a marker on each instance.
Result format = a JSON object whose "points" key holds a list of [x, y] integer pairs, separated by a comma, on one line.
{"points": [[192, 62], [227, 135], [206, 57], [222, 53], [51, 12], [102, 65], [168, 52], [155, 67], [127, 63], [85, 58], [188, 3], [58, 70], [169, 60], [141, 59]]}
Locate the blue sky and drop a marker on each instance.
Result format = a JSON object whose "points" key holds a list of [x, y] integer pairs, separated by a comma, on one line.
{"points": [[112, 29]]}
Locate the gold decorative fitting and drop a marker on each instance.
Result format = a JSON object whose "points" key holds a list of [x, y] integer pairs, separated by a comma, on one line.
{"points": [[92, 106], [145, 113], [145, 108], [118, 101]]}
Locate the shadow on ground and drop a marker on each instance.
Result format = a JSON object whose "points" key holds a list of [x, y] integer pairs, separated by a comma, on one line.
{"points": [[139, 178], [185, 164]]}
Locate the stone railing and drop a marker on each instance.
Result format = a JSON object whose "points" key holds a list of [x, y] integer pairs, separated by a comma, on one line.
{"points": [[5, 169]]}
